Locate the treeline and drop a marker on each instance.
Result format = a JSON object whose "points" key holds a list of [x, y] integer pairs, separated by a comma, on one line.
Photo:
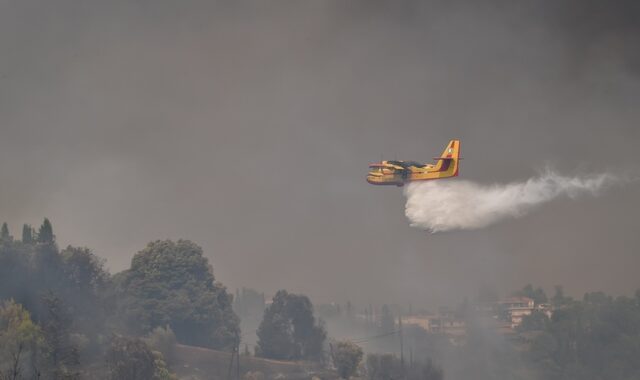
{"points": [[55, 307], [595, 338], [64, 316]]}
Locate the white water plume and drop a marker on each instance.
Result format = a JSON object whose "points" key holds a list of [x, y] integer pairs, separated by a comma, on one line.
{"points": [[446, 205]]}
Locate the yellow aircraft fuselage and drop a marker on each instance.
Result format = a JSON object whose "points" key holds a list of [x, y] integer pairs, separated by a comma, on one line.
{"points": [[400, 172]]}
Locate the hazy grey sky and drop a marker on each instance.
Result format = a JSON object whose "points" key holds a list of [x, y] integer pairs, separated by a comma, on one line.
{"points": [[247, 126]]}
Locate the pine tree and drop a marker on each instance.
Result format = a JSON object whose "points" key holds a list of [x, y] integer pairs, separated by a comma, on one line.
{"points": [[4, 232], [45, 234], [27, 234]]}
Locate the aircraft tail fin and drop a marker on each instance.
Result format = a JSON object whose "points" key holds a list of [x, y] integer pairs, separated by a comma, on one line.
{"points": [[449, 161]]}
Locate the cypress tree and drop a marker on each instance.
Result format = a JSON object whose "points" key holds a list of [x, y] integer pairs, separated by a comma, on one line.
{"points": [[45, 234], [27, 234], [4, 232]]}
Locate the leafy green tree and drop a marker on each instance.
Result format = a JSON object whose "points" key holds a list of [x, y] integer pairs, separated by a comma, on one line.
{"points": [[85, 289], [163, 340], [46, 272], [132, 359], [56, 327], [536, 321], [161, 371], [21, 342], [289, 330], [275, 334], [75, 276], [346, 357], [14, 272], [596, 338], [172, 284], [83, 269], [45, 233], [308, 336]]}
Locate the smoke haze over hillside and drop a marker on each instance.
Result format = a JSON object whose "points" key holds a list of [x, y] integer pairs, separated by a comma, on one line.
{"points": [[247, 126]]}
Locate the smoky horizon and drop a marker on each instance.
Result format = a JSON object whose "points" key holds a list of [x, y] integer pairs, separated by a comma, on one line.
{"points": [[248, 127]]}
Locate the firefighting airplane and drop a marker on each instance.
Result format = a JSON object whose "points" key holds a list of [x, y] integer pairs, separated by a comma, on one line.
{"points": [[400, 172]]}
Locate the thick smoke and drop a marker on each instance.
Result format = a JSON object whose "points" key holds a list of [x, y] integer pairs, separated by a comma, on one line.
{"points": [[447, 205]]}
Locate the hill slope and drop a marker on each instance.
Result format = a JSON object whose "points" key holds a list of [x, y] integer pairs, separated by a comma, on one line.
{"points": [[201, 363]]}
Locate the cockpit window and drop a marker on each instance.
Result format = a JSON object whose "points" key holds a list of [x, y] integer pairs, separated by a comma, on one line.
{"points": [[375, 169], [406, 164]]}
